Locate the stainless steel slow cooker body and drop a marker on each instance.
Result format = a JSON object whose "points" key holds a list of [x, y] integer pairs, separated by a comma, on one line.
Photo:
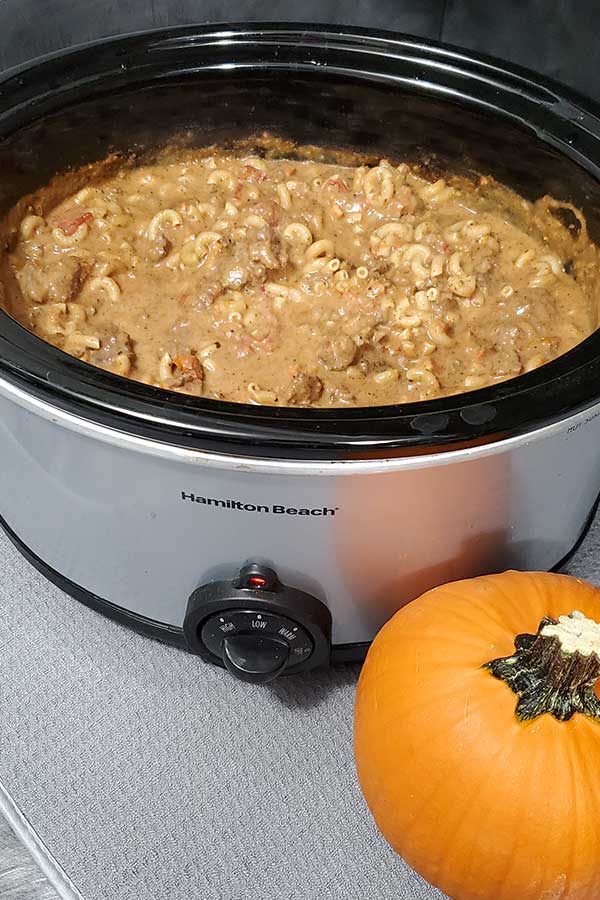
{"points": [[255, 536]]}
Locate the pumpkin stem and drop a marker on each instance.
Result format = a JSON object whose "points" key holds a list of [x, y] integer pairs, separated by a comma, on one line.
{"points": [[555, 671]]}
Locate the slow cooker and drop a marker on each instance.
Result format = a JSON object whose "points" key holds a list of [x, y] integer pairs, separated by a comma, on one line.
{"points": [[272, 540]]}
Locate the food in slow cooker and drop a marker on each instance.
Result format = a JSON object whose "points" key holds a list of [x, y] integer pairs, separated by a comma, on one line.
{"points": [[296, 282]]}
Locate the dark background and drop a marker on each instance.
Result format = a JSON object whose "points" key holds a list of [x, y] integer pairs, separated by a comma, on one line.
{"points": [[556, 37]]}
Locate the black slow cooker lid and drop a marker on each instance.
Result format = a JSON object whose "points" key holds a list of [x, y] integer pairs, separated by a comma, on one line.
{"points": [[371, 91]]}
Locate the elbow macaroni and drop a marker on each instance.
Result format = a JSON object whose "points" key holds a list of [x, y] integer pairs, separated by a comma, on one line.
{"points": [[293, 281]]}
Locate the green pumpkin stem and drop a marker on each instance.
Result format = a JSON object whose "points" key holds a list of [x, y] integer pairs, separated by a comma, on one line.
{"points": [[555, 671]]}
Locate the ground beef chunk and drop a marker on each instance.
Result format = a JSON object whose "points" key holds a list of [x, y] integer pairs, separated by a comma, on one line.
{"points": [[304, 389], [261, 251], [59, 284], [205, 296], [152, 250], [339, 353], [115, 353], [67, 284]]}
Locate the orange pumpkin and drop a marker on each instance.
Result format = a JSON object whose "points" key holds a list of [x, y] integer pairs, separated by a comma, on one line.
{"points": [[477, 737]]}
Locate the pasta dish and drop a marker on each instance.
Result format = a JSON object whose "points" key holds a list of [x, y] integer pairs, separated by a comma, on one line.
{"points": [[298, 282]]}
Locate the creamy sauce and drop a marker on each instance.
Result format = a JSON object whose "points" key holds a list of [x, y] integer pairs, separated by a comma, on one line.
{"points": [[276, 281]]}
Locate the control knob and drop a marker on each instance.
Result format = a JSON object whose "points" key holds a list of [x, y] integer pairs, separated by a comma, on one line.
{"points": [[257, 627]]}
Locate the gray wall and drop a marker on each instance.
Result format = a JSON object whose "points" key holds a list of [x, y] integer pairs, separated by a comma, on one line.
{"points": [[69, 21], [558, 37]]}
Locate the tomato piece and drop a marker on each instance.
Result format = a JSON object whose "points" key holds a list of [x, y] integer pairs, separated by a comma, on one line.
{"points": [[70, 226], [338, 183], [250, 173]]}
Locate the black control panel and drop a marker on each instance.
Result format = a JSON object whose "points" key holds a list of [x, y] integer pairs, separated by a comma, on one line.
{"points": [[257, 627]]}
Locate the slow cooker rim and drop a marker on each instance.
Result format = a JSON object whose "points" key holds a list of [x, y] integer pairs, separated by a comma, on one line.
{"points": [[528, 402], [224, 29], [232, 458]]}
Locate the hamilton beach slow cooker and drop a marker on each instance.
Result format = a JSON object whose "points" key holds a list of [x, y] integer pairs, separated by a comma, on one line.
{"points": [[275, 539]]}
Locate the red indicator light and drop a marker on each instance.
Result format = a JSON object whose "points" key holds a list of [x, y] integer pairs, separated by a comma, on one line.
{"points": [[257, 581]]}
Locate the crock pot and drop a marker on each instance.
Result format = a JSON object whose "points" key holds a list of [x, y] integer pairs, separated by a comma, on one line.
{"points": [[271, 539]]}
